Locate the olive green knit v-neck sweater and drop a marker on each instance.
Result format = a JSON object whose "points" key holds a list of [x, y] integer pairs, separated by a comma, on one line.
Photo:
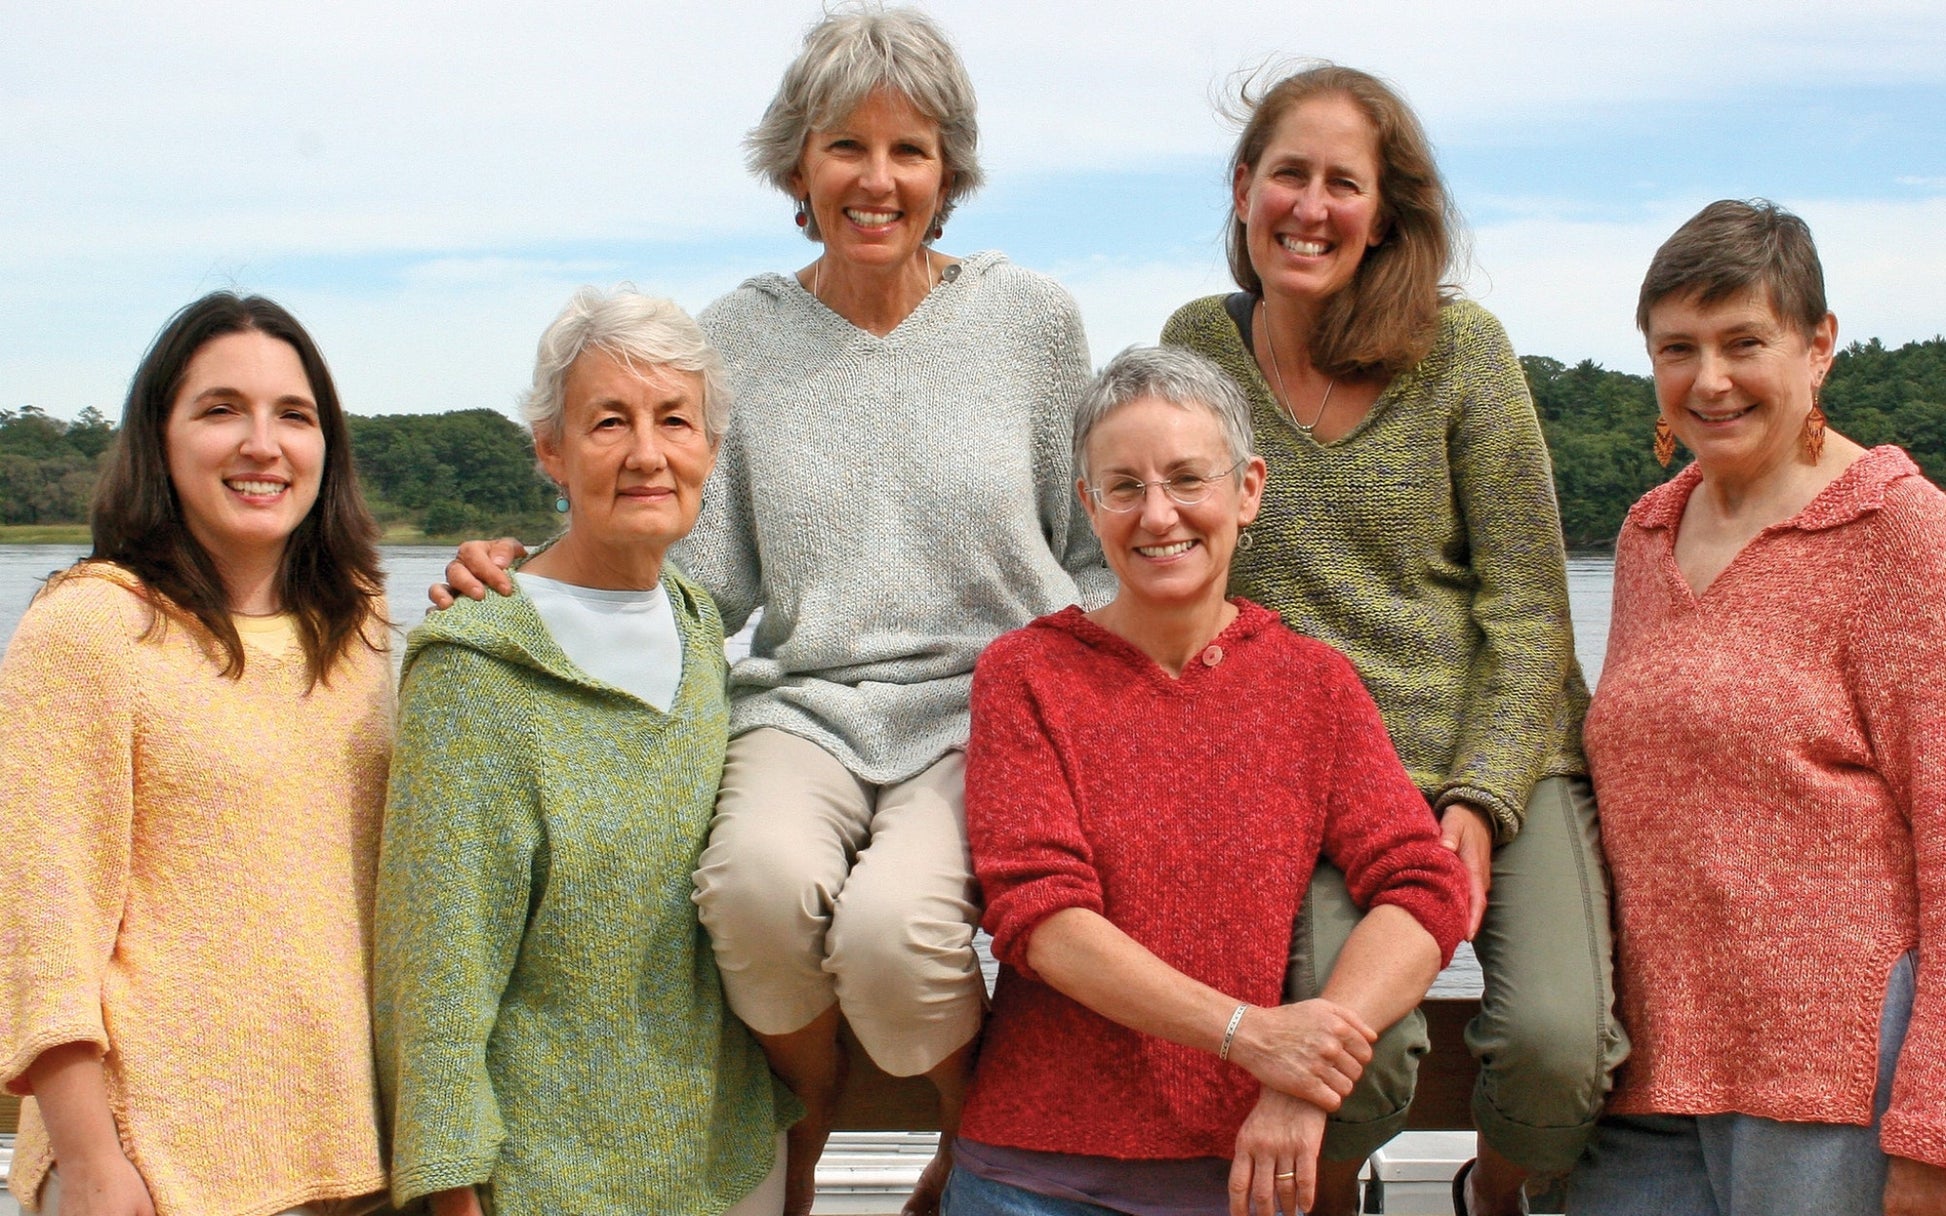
{"points": [[550, 1021], [1426, 546]]}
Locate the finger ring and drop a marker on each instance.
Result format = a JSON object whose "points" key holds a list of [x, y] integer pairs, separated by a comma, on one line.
{"points": [[1292, 1174]]}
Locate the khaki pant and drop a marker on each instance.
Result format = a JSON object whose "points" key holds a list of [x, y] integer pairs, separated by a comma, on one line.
{"points": [[818, 888], [1546, 1036], [364, 1205]]}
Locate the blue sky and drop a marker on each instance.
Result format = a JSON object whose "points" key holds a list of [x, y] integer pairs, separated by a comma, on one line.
{"points": [[424, 183]]}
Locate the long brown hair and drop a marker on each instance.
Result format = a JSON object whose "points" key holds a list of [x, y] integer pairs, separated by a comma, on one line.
{"points": [[1383, 322], [330, 579]]}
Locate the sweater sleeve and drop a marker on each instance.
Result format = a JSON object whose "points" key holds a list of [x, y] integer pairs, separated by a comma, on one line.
{"points": [[1022, 823], [1897, 658], [720, 552], [67, 700], [1505, 489], [1377, 828], [456, 869], [1066, 525]]}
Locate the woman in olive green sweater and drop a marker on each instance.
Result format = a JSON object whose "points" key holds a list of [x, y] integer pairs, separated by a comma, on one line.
{"points": [[1409, 520], [552, 1030]]}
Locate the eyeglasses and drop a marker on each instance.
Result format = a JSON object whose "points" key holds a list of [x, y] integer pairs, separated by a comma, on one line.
{"points": [[1184, 489]]}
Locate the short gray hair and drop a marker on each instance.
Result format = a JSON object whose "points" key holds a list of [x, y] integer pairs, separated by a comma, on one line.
{"points": [[848, 56], [642, 332], [1168, 373]]}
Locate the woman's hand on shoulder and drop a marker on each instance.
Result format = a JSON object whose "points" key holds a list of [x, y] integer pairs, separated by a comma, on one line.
{"points": [[1467, 830], [479, 566], [1913, 1188], [1275, 1168], [1314, 1050]]}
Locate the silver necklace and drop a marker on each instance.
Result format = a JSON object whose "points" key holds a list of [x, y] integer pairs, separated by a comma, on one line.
{"points": [[950, 273], [1289, 410]]}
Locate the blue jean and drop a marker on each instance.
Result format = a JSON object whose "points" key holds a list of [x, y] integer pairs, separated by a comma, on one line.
{"points": [[971, 1195], [1743, 1165]]}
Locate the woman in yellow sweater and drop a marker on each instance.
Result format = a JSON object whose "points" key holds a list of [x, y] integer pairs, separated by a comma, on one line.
{"points": [[194, 729]]}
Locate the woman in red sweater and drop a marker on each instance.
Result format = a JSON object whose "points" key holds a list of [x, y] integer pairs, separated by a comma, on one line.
{"points": [[1148, 788], [1769, 741]]}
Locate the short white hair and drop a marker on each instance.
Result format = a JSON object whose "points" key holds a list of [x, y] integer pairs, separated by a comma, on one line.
{"points": [[641, 331], [850, 55]]}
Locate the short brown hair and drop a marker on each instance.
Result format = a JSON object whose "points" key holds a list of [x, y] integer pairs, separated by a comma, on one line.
{"points": [[1731, 246], [1385, 321], [330, 578]]}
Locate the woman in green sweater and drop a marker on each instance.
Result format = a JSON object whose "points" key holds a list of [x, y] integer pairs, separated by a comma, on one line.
{"points": [[552, 1032], [1409, 520]]}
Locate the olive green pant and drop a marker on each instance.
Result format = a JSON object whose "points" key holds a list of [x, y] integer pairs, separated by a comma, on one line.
{"points": [[1546, 1037]]}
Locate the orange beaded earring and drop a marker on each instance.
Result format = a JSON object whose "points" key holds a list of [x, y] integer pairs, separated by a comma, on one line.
{"points": [[1665, 442], [1814, 427]]}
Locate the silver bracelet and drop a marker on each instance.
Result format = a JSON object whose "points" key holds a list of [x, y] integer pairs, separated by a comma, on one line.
{"points": [[1230, 1032]]}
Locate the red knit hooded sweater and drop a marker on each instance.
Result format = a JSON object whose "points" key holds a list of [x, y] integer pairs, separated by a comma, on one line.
{"points": [[1190, 813]]}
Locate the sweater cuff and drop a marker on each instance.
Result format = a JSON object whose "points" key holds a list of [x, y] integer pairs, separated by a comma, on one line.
{"points": [[13, 1072], [1507, 817], [1013, 931], [1906, 1134], [431, 1177], [1440, 917]]}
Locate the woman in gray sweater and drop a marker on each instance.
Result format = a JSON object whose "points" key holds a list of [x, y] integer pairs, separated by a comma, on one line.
{"points": [[895, 491]]}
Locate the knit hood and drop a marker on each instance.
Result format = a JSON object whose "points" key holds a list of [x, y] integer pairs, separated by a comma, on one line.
{"points": [[509, 628]]}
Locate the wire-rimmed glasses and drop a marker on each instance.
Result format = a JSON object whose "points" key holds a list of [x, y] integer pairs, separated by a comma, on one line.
{"points": [[1184, 489]]}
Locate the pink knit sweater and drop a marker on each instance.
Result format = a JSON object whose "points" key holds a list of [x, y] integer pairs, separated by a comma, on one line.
{"points": [[1189, 813], [1771, 762]]}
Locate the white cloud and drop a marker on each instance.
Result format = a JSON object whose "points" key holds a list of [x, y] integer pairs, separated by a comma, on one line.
{"points": [[1567, 288], [425, 181]]}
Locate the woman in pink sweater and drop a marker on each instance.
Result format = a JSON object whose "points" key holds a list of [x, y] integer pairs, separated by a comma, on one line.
{"points": [[194, 729], [1148, 787], [1769, 743]]}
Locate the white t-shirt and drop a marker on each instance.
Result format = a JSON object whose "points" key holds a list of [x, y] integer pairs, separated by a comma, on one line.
{"points": [[624, 638]]}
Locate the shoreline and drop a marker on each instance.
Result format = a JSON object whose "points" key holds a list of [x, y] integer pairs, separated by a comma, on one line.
{"points": [[78, 534]]}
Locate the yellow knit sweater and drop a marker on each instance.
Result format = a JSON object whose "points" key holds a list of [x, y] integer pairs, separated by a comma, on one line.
{"points": [[188, 863]]}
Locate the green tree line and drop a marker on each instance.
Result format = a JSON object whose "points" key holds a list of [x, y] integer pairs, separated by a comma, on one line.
{"points": [[471, 473], [467, 473], [1600, 425]]}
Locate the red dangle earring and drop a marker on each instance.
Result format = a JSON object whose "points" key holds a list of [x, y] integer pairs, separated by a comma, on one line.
{"points": [[803, 214], [1665, 442]]}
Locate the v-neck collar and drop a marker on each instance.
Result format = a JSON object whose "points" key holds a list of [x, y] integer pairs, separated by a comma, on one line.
{"points": [[1858, 491]]}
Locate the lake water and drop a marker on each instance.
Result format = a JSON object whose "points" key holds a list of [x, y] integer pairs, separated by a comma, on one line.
{"points": [[410, 569]]}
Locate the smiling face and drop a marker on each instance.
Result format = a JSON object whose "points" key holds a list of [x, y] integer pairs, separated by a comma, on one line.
{"points": [[875, 181], [1166, 554], [1735, 381], [246, 455], [631, 455], [1310, 206]]}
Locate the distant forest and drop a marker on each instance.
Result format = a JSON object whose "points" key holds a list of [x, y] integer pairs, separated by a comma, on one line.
{"points": [[472, 473], [469, 473]]}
